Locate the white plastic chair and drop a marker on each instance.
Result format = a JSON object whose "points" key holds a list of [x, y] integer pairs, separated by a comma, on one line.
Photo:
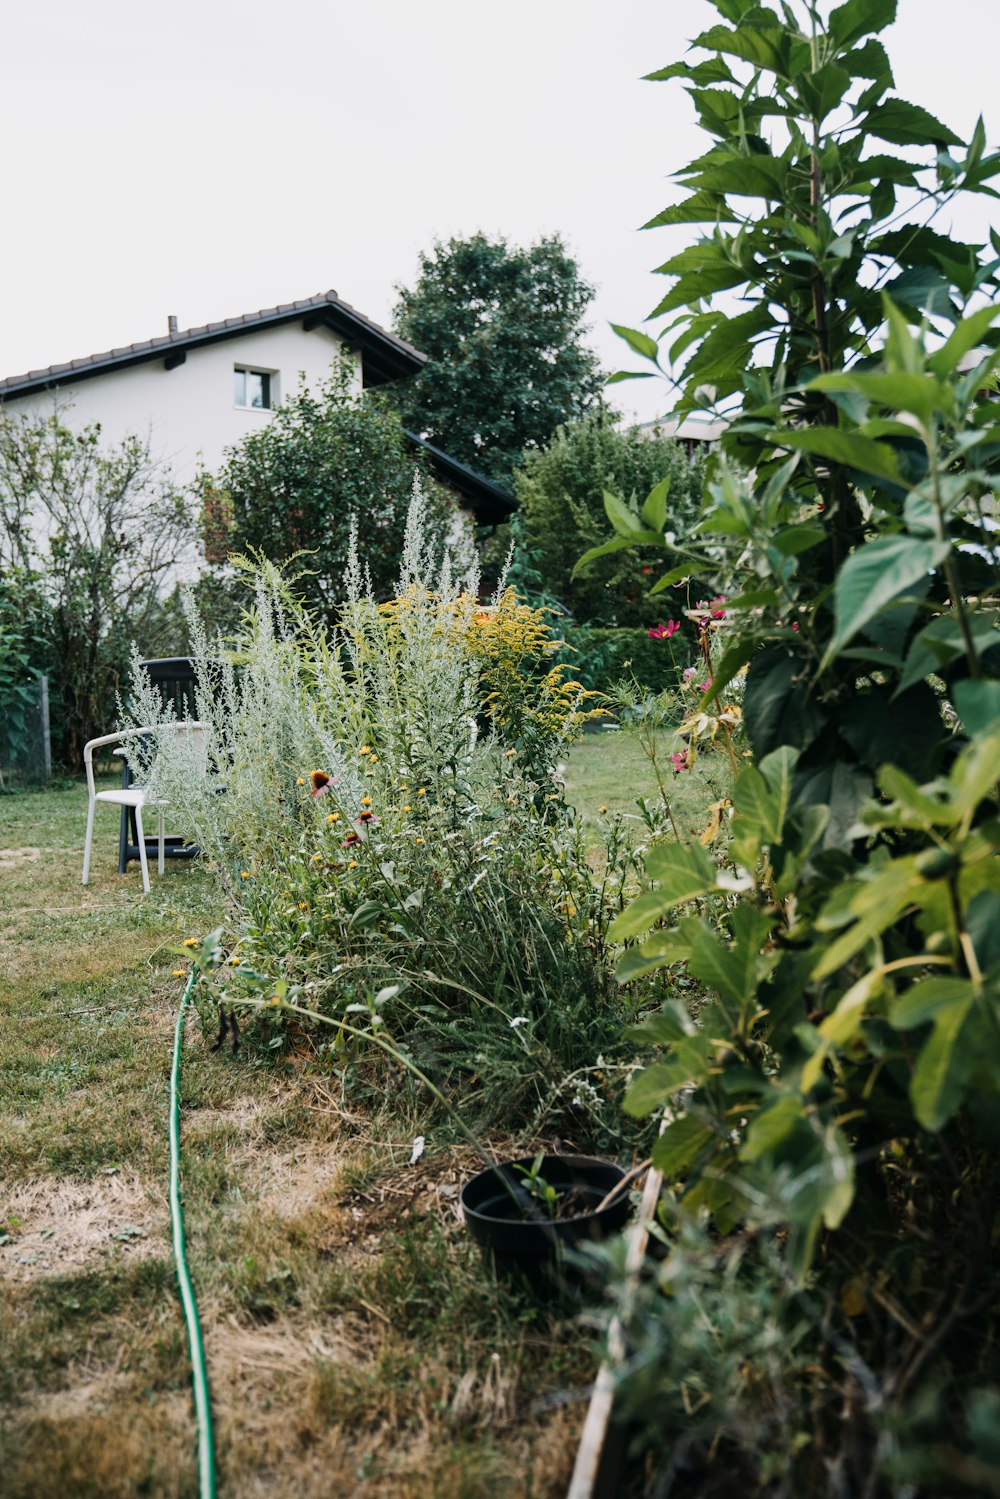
{"points": [[134, 796]]}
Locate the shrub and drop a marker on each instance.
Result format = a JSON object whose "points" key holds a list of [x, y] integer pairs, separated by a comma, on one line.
{"points": [[561, 493], [327, 461], [836, 1104]]}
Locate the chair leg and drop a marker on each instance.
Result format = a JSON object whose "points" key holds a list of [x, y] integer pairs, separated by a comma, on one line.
{"points": [[142, 849], [159, 830], [88, 840]]}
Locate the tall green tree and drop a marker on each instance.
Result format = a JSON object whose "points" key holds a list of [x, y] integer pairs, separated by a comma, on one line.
{"points": [[327, 459], [562, 496], [504, 332]]}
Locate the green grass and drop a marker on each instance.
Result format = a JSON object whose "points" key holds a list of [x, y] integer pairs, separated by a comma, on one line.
{"points": [[353, 1342], [607, 768]]}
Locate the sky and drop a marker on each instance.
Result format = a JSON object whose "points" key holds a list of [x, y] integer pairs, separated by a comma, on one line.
{"points": [[206, 158]]}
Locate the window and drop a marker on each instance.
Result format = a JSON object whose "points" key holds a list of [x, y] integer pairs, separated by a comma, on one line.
{"points": [[252, 388]]}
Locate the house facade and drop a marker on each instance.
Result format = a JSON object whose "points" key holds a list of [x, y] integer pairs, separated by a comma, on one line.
{"points": [[194, 392]]}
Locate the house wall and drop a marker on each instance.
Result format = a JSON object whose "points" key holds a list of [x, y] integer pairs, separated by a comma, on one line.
{"points": [[189, 413]]}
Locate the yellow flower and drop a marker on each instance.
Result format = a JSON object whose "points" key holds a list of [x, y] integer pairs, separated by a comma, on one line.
{"points": [[508, 753], [407, 809], [420, 840], [366, 801], [365, 749], [274, 1000], [235, 962], [421, 790], [373, 760], [352, 863], [303, 905], [333, 817], [602, 809], [180, 973], [244, 874], [317, 858], [301, 781], [191, 942]]}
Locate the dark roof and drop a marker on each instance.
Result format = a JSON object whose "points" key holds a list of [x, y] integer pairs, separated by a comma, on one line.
{"points": [[383, 355], [488, 502]]}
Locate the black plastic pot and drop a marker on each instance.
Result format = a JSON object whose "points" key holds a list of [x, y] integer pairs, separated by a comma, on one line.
{"points": [[519, 1242]]}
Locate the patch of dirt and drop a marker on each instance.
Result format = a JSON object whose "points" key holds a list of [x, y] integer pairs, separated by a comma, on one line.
{"points": [[10, 858], [291, 1183], [53, 1227]]}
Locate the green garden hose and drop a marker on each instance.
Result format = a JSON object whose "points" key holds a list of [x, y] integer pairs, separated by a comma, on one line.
{"points": [[199, 1375]]}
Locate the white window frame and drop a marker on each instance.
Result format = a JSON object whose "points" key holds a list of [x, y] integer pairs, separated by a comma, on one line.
{"points": [[270, 376]]}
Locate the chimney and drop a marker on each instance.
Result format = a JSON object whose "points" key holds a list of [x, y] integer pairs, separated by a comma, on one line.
{"points": [[171, 322]]}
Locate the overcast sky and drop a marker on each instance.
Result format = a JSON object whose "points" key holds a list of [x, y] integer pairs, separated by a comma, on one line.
{"points": [[209, 157]]}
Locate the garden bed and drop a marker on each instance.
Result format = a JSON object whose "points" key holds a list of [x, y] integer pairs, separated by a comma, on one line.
{"points": [[352, 1339]]}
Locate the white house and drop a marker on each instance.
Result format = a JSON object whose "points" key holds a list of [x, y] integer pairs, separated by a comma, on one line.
{"points": [[193, 392]]}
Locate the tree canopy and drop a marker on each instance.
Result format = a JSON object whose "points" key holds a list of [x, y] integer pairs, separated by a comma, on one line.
{"points": [[504, 332]]}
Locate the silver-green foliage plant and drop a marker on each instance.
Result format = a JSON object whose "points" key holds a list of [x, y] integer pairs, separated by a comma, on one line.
{"points": [[374, 829]]}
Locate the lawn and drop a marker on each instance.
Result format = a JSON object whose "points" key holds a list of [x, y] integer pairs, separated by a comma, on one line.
{"points": [[353, 1343]]}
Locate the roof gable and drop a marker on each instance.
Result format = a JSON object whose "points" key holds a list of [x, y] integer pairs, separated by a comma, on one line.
{"points": [[383, 356]]}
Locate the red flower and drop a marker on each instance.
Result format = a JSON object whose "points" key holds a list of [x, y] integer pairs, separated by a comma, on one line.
{"points": [[351, 839]]}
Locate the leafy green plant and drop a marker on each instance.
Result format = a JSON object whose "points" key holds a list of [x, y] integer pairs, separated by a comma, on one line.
{"points": [[841, 1081]]}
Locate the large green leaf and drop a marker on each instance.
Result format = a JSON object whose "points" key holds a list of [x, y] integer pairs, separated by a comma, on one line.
{"points": [[942, 1067], [626, 522], [920, 394], [875, 575], [764, 46], [877, 903], [653, 1088], [665, 1026], [837, 1029], [733, 969], [771, 1127], [860, 453], [680, 1144], [639, 342], [978, 704], [683, 874], [654, 509], [966, 336], [857, 18], [904, 124], [698, 208], [926, 999]]}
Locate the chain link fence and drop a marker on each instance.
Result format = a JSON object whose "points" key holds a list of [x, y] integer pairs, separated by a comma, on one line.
{"points": [[25, 738]]}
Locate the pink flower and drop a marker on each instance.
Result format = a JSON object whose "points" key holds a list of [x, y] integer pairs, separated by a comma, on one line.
{"points": [[704, 686], [679, 762], [795, 625], [718, 612], [664, 632], [689, 673]]}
